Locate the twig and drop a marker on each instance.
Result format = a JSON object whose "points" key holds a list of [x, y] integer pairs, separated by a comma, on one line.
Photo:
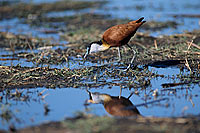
{"points": [[189, 45], [191, 52], [192, 102], [43, 97], [139, 44], [40, 58], [39, 94], [187, 65], [144, 104], [29, 70], [155, 44], [193, 44], [31, 48]]}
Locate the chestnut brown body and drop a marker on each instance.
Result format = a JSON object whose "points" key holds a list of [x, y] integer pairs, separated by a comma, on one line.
{"points": [[117, 107], [119, 35]]}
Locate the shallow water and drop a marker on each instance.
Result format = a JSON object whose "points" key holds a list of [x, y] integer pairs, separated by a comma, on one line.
{"points": [[17, 26], [8, 58], [61, 102], [157, 10], [182, 100]]}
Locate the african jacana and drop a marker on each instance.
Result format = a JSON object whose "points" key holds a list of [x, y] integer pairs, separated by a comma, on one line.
{"points": [[113, 104], [116, 36]]}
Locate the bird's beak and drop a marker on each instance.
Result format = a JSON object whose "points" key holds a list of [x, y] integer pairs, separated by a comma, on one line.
{"points": [[90, 98], [86, 54], [90, 101], [90, 94]]}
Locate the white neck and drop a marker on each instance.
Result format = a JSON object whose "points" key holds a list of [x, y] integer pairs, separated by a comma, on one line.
{"points": [[95, 47]]}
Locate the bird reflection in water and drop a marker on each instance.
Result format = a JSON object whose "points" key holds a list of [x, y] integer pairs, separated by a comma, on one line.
{"points": [[114, 105]]}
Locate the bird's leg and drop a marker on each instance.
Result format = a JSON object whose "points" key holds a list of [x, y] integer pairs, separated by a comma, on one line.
{"points": [[119, 54], [85, 56], [133, 58], [120, 58], [130, 95], [120, 93]]}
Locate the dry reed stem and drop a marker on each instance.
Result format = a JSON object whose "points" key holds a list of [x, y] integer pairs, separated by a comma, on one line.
{"points": [[155, 44], [187, 65]]}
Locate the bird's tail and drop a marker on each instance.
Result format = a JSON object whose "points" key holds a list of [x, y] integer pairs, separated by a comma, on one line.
{"points": [[139, 21]]}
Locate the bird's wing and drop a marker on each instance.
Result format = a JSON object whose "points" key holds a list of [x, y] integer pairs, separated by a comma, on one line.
{"points": [[119, 110], [119, 33]]}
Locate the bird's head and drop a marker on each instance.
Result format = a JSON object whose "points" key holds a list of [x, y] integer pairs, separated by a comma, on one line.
{"points": [[95, 47], [97, 97]]}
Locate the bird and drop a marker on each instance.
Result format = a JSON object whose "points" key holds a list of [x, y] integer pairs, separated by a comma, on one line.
{"points": [[113, 104], [116, 36]]}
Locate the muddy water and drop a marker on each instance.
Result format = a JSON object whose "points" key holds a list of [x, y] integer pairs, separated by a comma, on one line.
{"points": [[38, 106], [181, 100]]}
